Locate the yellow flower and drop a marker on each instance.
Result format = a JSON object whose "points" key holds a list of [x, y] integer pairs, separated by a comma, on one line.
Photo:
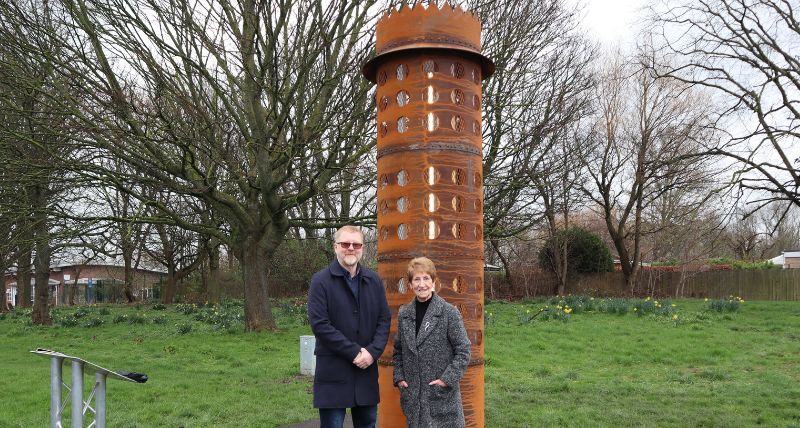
{"points": [[647, 299], [558, 306], [706, 299], [635, 309], [674, 305], [567, 310], [528, 311], [675, 316]]}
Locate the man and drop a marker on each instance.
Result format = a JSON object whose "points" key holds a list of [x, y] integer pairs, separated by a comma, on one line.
{"points": [[350, 319]]}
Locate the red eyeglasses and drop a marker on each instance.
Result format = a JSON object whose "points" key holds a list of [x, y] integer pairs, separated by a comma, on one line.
{"points": [[353, 245]]}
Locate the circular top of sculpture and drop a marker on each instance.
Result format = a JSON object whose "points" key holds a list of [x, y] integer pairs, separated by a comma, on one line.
{"points": [[427, 28]]}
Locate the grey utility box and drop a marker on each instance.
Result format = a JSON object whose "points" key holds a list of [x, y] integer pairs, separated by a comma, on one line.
{"points": [[308, 361]]}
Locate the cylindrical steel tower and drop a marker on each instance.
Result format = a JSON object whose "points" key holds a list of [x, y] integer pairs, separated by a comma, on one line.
{"points": [[428, 68]]}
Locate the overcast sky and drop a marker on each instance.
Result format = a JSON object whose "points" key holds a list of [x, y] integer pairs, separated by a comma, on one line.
{"points": [[612, 21]]}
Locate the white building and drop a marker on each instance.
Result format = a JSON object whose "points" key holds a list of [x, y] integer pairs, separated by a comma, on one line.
{"points": [[791, 259]]}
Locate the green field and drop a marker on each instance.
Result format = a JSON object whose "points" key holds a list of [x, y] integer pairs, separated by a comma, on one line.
{"points": [[674, 366]]}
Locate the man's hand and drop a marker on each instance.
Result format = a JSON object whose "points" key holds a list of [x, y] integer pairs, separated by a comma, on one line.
{"points": [[363, 359], [402, 384]]}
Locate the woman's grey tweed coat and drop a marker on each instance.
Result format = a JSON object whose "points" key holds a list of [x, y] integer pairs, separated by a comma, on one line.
{"points": [[440, 351]]}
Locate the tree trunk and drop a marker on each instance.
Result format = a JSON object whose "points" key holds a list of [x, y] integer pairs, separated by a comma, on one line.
{"points": [[3, 300], [74, 289], [630, 271], [24, 276], [214, 286], [257, 310], [168, 290], [128, 286], [561, 263], [41, 307]]}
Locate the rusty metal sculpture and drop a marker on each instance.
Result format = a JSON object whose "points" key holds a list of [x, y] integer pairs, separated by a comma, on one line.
{"points": [[428, 68]]}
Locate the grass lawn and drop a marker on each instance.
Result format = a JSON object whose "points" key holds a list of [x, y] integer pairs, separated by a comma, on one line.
{"points": [[703, 368]]}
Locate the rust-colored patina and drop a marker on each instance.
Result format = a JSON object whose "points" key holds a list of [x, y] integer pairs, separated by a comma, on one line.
{"points": [[428, 68]]}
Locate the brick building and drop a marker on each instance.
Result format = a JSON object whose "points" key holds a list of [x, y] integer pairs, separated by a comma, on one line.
{"points": [[95, 283]]}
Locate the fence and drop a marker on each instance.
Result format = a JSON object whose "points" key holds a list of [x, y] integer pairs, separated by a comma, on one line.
{"points": [[770, 284]]}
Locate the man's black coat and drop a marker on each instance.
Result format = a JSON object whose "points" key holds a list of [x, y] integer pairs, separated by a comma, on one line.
{"points": [[343, 325]]}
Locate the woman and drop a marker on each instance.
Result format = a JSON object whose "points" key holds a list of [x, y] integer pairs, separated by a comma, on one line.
{"points": [[431, 353]]}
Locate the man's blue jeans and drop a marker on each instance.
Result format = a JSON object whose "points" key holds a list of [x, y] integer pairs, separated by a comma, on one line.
{"points": [[363, 417]]}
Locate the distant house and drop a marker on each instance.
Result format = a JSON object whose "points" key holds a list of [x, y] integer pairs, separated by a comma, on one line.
{"points": [[95, 283], [791, 259], [491, 268]]}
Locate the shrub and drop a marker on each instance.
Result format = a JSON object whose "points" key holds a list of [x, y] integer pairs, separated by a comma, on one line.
{"points": [[104, 311], [489, 318], [160, 319], [23, 313], [559, 313], [136, 319], [120, 318], [651, 306], [220, 317], [159, 307], [730, 304], [614, 306], [67, 321], [742, 264], [297, 310], [81, 312], [185, 308], [586, 252], [93, 322], [184, 328]]}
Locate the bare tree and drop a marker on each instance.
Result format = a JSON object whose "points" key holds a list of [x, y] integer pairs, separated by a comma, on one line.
{"points": [[39, 151], [745, 51], [179, 250], [559, 183], [224, 102], [540, 86], [646, 127], [757, 236], [127, 235]]}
